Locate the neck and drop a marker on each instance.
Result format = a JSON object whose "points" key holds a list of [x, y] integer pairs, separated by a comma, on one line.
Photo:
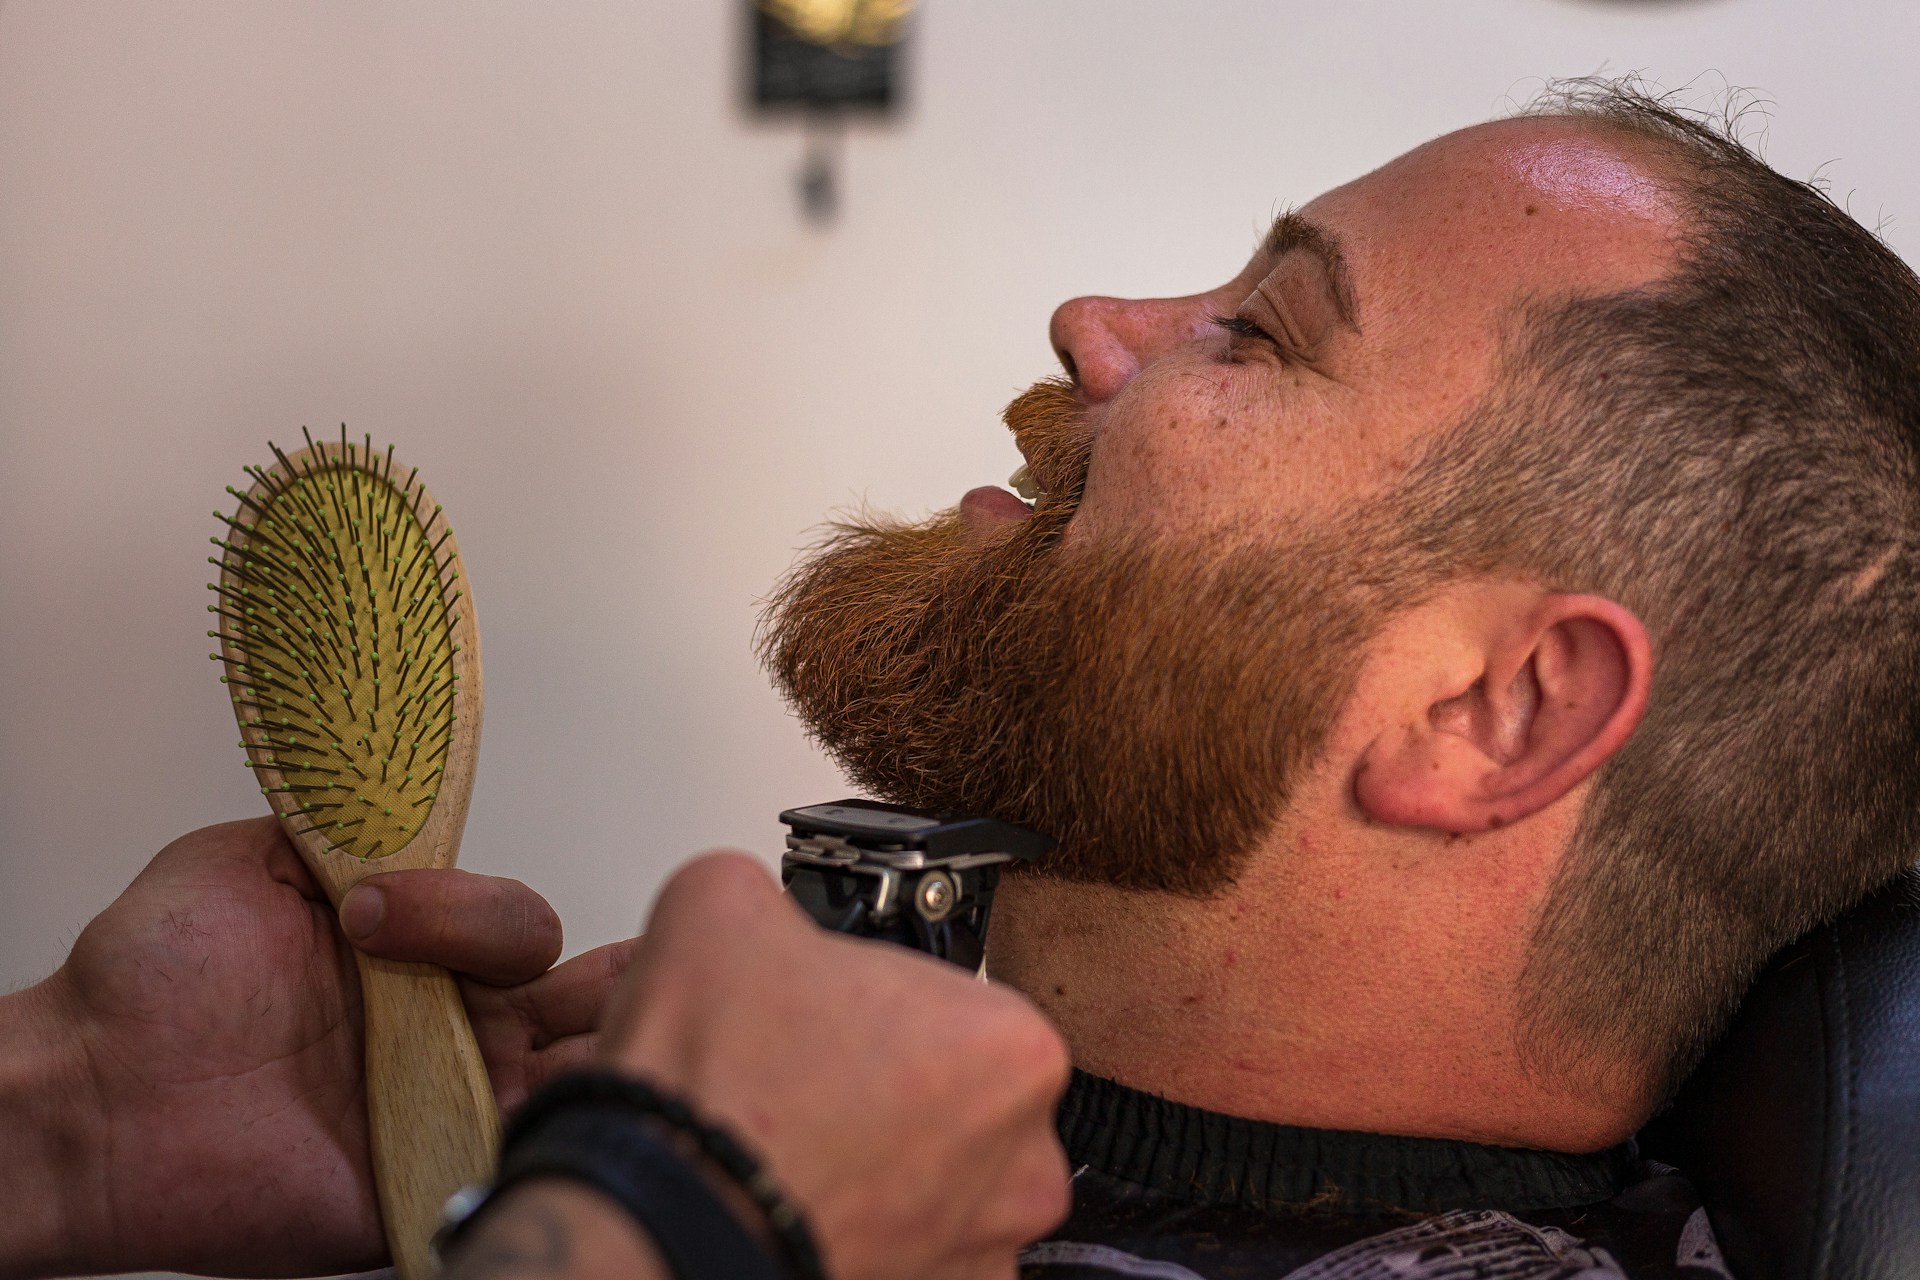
{"points": [[1333, 998]]}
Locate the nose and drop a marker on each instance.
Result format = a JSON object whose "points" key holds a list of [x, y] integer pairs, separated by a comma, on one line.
{"points": [[1103, 342]]}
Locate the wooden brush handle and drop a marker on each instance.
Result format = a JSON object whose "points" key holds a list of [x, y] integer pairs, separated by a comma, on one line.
{"points": [[430, 1114], [292, 620]]}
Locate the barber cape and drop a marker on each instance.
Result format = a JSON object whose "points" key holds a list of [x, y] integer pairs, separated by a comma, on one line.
{"points": [[1163, 1191]]}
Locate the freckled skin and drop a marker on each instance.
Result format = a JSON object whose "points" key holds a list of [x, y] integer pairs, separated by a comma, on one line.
{"points": [[1394, 1013], [1435, 276]]}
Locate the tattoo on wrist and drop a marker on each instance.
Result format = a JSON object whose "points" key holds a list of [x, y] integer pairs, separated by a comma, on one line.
{"points": [[550, 1229], [517, 1239]]}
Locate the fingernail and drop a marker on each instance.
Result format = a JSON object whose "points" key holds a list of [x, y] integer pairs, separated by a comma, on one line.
{"points": [[361, 912]]}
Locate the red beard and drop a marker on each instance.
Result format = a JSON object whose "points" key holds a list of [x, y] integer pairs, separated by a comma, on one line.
{"points": [[1149, 703]]}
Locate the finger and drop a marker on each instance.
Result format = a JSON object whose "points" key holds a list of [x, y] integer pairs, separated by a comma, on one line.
{"points": [[255, 843], [997, 1263], [1035, 1191], [527, 1072], [991, 1264], [283, 861], [571, 998], [717, 896], [571, 1054], [720, 887], [487, 927]]}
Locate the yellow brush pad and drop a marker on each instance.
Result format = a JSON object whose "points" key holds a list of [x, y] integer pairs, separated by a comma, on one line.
{"points": [[340, 652]]}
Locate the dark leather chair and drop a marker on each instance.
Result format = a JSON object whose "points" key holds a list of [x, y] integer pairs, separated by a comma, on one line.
{"points": [[1801, 1128]]}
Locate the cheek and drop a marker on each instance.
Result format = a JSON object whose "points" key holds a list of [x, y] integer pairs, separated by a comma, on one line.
{"points": [[1211, 446]]}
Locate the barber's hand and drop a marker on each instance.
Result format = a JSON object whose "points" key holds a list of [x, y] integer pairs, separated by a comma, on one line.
{"points": [[217, 1013], [906, 1107]]}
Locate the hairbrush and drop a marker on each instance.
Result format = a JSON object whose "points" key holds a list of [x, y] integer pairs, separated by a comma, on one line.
{"points": [[348, 645]]}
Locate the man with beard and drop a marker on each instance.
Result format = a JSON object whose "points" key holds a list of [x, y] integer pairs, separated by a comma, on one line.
{"points": [[1453, 655]]}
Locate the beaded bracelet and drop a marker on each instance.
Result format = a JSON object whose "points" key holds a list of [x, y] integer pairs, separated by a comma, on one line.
{"points": [[632, 1161], [604, 1088]]}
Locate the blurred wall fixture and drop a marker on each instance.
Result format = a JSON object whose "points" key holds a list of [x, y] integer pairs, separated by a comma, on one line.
{"points": [[824, 60]]}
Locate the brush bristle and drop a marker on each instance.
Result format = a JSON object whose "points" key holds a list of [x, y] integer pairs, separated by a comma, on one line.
{"points": [[337, 609]]}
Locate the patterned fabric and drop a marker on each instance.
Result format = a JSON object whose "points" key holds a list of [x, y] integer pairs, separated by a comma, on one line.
{"points": [[1168, 1192]]}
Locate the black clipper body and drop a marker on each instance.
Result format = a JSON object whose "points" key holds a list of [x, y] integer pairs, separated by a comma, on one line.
{"points": [[924, 880]]}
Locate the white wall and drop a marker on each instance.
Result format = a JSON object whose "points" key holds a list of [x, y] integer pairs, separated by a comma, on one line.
{"points": [[537, 246]]}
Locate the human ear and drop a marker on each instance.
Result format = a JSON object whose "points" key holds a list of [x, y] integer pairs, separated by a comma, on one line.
{"points": [[1556, 696]]}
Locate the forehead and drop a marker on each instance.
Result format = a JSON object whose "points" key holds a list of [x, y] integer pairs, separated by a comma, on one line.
{"points": [[1443, 242]]}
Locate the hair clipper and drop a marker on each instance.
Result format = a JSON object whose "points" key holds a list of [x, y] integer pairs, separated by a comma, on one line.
{"points": [[924, 880]]}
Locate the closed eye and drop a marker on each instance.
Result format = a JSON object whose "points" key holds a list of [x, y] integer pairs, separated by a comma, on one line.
{"points": [[1241, 327]]}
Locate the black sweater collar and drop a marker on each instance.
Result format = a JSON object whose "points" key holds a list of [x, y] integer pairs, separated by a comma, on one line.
{"points": [[1208, 1158]]}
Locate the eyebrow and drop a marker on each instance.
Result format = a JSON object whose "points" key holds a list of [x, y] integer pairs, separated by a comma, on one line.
{"points": [[1293, 231]]}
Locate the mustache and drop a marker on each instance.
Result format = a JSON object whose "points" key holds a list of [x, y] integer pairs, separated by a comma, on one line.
{"points": [[1049, 426]]}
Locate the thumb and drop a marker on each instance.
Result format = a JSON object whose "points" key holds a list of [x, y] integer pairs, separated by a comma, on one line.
{"points": [[487, 927]]}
